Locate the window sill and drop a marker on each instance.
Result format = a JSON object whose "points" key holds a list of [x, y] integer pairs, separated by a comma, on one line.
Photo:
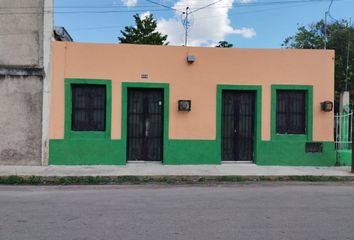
{"points": [[290, 137], [87, 135]]}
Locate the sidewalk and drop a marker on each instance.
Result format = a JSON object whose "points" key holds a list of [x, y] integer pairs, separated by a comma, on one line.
{"points": [[157, 169]]}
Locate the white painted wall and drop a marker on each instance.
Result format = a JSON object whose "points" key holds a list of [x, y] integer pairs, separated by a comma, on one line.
{"points": [[47, 39]]}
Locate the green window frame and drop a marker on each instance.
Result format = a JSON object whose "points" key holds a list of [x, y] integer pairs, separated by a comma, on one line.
{"points": [[307, 136], [69, 133]]}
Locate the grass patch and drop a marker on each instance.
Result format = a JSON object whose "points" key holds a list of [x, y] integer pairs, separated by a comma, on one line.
{"points": [[117, 180], [231, 179]]}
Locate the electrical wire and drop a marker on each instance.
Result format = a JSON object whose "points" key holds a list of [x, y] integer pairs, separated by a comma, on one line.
{"points": [[206, 6], [145, 7], [257, 11], [329, 15], [304, 2], [330, 5], [163, 5], [84, 12]]}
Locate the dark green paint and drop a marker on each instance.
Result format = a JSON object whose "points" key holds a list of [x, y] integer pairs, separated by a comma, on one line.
{"points": [[68, 133], [345, 157], [184, 152], [292, 153], [85, 152], [309, 113]]}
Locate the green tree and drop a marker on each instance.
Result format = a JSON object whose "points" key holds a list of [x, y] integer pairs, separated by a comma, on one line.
{"points": [[338, 35], [224, 44], [143, 33]]}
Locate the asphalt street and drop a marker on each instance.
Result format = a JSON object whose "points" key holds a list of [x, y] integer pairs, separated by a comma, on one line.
{"points": [[240, 211]]}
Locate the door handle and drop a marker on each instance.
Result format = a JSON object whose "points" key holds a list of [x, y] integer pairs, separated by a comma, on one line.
{"points": [[147, 128]]}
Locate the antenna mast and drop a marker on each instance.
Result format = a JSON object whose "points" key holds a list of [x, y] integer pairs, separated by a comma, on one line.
{"points": [[186, 21], [325, 24], [186, 25]]}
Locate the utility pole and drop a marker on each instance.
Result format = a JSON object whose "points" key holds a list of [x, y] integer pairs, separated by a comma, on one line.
{"points": [[349, 40], [325, 31], [349, 25], [352, 137], [352, 132]]}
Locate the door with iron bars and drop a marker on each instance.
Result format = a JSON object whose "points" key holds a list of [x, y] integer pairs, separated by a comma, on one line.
{"points": [[238, 124], [145, 124]]}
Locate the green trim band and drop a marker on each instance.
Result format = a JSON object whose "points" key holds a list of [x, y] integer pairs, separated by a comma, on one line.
{"points": [[186, 152]]}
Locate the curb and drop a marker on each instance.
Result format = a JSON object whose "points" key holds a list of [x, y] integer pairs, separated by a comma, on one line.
{"points": [[117, 180]]}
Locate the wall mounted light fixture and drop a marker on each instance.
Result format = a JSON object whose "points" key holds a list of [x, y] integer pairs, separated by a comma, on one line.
{"points": [[190, 58], [327, 106], [184, 105]]}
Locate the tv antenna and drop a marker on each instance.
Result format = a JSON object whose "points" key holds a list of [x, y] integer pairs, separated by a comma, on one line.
{"points": [[187, 21], [325, 24], [187, 24]]}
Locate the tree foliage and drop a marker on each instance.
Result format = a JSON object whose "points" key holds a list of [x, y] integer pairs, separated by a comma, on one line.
{"points": [[338, 35], [143, 33], [224, 44]]}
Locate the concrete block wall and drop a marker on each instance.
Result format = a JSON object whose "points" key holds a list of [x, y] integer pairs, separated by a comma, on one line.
{"points": [[20, 120], [21, 27], [25, 36]]}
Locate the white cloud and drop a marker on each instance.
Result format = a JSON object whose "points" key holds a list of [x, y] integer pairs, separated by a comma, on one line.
{"points": [[144, 15], [130, 3], [246, 1], [209, 25], [245, 32]]}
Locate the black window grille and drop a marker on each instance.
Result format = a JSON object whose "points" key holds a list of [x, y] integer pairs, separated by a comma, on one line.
{"points": [[291, 112], [88, 107]]}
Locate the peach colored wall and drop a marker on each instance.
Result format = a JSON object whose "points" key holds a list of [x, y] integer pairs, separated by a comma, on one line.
{"points": [[197, 81]]}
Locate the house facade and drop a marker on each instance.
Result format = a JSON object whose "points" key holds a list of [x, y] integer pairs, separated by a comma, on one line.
{"points": [[116, 103]]}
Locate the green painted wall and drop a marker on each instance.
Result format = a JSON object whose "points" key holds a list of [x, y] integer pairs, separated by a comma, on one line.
{"points": [[85, 152], [192, 152], [345, 157], [290, 153], [112, 152], [178, 152]]}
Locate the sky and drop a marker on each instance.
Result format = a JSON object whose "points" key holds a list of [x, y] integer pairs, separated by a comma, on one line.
{"points": [[244, 23]]}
